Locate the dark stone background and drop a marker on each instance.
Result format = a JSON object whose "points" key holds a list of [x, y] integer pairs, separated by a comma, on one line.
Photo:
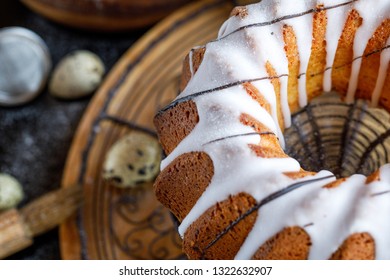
{"points": [[35, 138]]}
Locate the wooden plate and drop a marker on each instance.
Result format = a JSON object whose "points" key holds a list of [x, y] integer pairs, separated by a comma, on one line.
{"points": [[123, 224], [105, 15]]}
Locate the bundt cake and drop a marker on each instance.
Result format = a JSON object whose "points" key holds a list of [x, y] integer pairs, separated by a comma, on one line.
{"points": [[226, 177]]}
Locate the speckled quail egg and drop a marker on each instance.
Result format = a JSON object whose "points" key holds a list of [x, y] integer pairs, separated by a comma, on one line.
{"points": [[77, 75], [11, 192], [132, 160]]}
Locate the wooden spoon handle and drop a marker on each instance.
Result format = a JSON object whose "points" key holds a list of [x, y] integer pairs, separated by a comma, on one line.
{"points": [[19, 227], [14, 233]]}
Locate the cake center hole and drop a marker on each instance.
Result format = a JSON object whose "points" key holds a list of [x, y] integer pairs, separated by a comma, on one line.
{"points": [[343, 138]]}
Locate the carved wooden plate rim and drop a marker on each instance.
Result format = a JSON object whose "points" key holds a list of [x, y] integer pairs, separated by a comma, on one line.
{"points": [[142, 81]]}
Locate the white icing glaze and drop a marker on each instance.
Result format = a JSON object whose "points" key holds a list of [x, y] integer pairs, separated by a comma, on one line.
{"points": [[237, 169], [365, 9], [335, 22], [190, 63], [303, 37], [330, 216], [371, 213], [380, 82], [277, 214], [190, 60]]}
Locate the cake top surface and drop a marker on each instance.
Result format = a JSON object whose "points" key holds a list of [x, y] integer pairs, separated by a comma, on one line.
{"points": [[239, 55]]}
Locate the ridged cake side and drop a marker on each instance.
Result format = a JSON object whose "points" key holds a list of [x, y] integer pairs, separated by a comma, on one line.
{"points": [[226, 177]]}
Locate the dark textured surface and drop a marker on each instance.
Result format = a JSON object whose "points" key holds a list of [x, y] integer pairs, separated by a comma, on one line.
{"points": [[35, 138]]}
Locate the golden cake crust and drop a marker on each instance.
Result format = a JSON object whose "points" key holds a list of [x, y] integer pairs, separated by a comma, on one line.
{"points": [[185, 179]]}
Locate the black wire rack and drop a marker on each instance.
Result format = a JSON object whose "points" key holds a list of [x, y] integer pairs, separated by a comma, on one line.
{"points": [[343, 138]]}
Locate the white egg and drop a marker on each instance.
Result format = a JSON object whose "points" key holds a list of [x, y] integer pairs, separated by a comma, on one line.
{"points": [[77, 75], [11, 191]]}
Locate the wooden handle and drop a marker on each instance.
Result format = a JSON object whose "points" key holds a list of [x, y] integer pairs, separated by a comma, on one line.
{"points": [[48, 211], [14, 233], [17, 228]]}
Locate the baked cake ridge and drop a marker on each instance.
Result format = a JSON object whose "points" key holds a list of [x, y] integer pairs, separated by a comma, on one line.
{"points": [[239, 55]]}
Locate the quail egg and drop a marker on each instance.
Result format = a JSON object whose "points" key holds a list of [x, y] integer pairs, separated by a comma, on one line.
{"points": [[11, 192], [132, 160], [77, 75]]}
